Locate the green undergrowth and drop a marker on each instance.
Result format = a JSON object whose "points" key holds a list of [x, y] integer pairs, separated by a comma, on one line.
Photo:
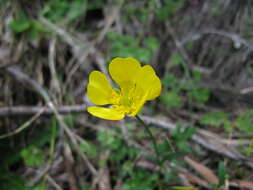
{"points": [[184, 99]]}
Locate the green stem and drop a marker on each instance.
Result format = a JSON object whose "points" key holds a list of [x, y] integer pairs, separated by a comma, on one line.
{"points": [[153, 139]]}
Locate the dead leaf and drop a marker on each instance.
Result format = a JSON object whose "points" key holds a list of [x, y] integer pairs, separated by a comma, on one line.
{"points": [[247, 185], [203, 170]]}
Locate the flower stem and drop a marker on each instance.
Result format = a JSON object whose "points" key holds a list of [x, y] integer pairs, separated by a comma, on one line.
{"points": [[153, 139]]}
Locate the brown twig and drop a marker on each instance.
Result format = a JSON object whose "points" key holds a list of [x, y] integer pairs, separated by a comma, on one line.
{"points": [[53, 183], [31, 110], [51, 62], [202, 137], [24, 126], [69, 162], [23, 78], [206, 139], [43, 171]]}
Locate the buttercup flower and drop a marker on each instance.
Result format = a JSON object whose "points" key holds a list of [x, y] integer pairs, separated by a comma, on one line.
{"points": [[137, 83]]}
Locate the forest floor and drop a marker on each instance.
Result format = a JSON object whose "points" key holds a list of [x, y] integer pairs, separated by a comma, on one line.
{"points": [[202, 121]]}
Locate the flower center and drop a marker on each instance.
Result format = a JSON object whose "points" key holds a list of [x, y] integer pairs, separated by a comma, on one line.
{"points": [[115, 97], [130, 97]]}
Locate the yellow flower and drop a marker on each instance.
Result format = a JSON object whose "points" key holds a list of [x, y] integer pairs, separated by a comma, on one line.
{"points": [[137, 83]]}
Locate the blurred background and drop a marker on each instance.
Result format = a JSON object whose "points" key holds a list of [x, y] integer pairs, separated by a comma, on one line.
{"points": [[203, 120]]}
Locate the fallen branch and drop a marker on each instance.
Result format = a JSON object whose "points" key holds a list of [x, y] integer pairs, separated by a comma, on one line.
{"points": [[31, 110], [206, 139], [34, 85]]}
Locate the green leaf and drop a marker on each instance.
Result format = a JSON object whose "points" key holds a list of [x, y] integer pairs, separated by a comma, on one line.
{"points": [[183, 188], [182, 134], [200, 95], [170, 81], [95, 4], [176, 147], [176, 60], [245, 121], [249, 149], [136, 186], [38, 26], [64, 10], [186, 133], [152, 43], [128, 46], [197, 75], [32, 156], [20, 25], [141, 180], [216, 119], [39, 187], [11, 181], [107, 140], [76, 10], [168, 9], [70, 120], [143, 55], [88, 148], [222, 173], [171, 99], [53, 136]]}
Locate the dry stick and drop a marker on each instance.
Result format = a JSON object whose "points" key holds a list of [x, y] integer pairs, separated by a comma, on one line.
{"points": [[148, 164], [53, 183], [215, 144], [24, 126], [79, 49], [237, 40], [204, 139], [69, 162], [43, 171], [153, 140], [51, 62], [31, 110], [177, 43], [114, 14], [21, 77]]}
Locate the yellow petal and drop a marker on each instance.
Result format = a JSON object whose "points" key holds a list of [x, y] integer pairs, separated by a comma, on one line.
{"points": [[124, 69], [99, 90], [139, 101], [105, 113], [149, 82]]}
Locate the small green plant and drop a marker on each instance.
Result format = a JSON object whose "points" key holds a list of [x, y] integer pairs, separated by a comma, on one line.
{"points": [[170, 81], [216, 119], [184, 87], [245, 121], [249, 149], [216, 9], [180, 137], [32, 156], [11, 181], [168, 8], [222, 173], [117, 145], [223, 177], [171, 99], [200, 95], [65, 11], [141, 180], [88, 148], [32, 28], [128, 46]]}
